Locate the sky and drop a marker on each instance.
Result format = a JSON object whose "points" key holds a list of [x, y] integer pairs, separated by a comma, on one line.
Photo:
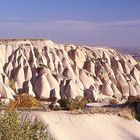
{"points": [[113, 23]]}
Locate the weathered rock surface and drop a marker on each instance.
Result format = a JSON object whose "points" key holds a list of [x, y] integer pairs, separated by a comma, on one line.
{"points": [[45, 69]]}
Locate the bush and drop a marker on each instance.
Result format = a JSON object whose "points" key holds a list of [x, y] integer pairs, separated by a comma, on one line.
{"points": [[55, 106], [137, 117], [67, 104], [12, 128], [4, 102], [83, 102], [24, 100], [71, 104]]}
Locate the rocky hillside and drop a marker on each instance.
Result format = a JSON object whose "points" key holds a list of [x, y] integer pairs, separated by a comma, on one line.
{"points": [[134, 51], [45, 69]]}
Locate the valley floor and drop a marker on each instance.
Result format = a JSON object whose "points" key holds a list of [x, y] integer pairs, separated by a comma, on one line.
{"points": [[65, 126]]}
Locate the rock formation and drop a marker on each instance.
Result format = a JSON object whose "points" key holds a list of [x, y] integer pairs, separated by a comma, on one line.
{"points": [[45, 69]]}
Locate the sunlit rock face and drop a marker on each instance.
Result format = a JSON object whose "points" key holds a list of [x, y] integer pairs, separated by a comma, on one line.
{"points": [[45, 69]]}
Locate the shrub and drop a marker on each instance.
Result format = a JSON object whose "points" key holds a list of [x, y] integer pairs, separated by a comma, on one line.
{"points": [[68, 104], [24, 100], [63, 104], [137, 117], [12, 128], [55, 106], [83, 102], [4, 102], [71, 104]]}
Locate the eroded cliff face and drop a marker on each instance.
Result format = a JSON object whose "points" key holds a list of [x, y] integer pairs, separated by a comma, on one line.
{"points": [[45, 69]]}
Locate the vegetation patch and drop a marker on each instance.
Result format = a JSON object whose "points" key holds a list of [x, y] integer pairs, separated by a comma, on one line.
{"points": [[127, 113], [13, 128], [138, 117], [72, 104], [24, 100]]}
